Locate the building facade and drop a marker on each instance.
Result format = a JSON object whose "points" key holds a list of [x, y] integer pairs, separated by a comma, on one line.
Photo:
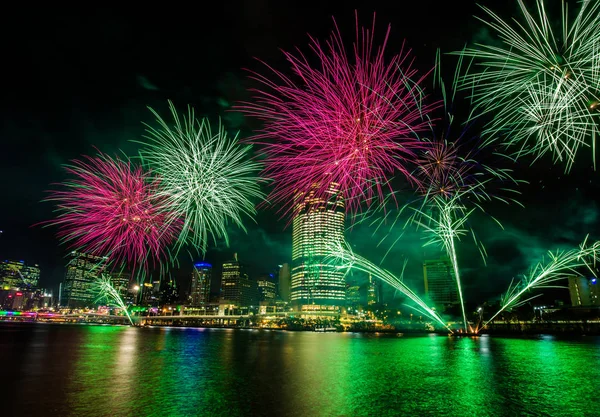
{"points": [[236, 286], [440, 284], [285, 282], [17, 274], [78, 286], [374, 291], [201, 279], [317, 224], [267, 289], [584, 291]]}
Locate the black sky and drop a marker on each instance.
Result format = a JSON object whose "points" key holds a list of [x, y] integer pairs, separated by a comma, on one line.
{"points": [[82, 79]]}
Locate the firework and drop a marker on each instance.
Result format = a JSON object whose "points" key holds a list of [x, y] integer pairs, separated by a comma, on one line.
{"points": [[543, 90], [343, 256], [111, 208], [207, 178], [558, 265], [109, 294], [350, 120]]}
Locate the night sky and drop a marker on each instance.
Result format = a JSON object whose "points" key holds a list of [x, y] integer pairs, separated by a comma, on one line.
{"points": [[78, 80]]}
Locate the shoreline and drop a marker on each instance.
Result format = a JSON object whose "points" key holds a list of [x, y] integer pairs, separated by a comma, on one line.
{"points": [[519, 333]]}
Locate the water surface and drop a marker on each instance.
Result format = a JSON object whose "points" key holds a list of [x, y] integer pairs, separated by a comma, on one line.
{"points": [[78, 370]]}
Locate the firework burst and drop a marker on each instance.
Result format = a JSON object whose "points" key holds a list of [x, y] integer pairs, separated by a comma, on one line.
{"points": [[350, 120], [207, 178], [111, 208], [542, 90]]}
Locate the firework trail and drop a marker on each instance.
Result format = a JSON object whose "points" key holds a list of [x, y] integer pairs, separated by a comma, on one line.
{"points": [[558, 265], [350, 120], [451, 185], [542, 89], [107, 292], [343, 256], [111, 208], [445, 210], [207, 178]]}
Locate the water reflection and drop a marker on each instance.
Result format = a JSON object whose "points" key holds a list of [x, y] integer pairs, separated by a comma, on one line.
{"points": [[123, 371]]}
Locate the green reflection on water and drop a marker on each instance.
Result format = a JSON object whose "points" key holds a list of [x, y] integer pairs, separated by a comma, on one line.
{"points": [[180, 372]]}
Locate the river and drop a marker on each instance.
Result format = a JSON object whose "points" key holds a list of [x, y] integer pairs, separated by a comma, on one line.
{"points": [[79, 370]]}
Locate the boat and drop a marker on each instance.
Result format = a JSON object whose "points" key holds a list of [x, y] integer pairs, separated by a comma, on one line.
{"points": [[325, 329], [463, 334]]}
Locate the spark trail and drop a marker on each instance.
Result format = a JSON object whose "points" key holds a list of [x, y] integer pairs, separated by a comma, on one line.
{"points": [[343, 254], [558, 265], [107, 292]]}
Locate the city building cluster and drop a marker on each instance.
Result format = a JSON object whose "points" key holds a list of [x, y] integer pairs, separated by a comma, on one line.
{"points": [[309, 287]]}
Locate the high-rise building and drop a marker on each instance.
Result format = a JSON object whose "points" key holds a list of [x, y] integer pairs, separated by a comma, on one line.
{"points": [[121, 282], [82, 271], [374, 291], [267, 289], [169, 294], [200, 289], [17, 274], [285, 282], [584, 291], [317, 224], [440, 284], [236, 286], [353, 296]]}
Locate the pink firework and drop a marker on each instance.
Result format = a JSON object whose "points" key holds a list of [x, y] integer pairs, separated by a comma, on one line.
{"points": [[350, 121], [111, 208]]}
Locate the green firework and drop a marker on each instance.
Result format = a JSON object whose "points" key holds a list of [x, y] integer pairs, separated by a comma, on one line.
{"points": [[556, 266], [541, 86], [206, 177], [107, 292], [343, 256]]}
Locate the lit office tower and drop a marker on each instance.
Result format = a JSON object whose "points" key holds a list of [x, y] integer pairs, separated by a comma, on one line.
{"points": [[121, 282], [267, 289], [440, 284], [82, 271], [201, 277], [584, 291], [374, 291], [236, 286], [17, 274], [317, 224]]}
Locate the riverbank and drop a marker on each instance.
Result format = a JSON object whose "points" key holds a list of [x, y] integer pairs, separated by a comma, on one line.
{"points": [[524, 329]]}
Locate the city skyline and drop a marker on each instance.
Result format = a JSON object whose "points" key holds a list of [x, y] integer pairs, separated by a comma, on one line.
{"points": [[109, 119], [301, 208]]}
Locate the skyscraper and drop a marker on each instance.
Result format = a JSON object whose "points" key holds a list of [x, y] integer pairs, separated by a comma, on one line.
{"points": [[317, 224], [374, 291], [120, 280], [267, 289], [285, 281], [17, 274], [440, 284], [236, 286], [584, 291], [78, 287], [201, 277]]}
